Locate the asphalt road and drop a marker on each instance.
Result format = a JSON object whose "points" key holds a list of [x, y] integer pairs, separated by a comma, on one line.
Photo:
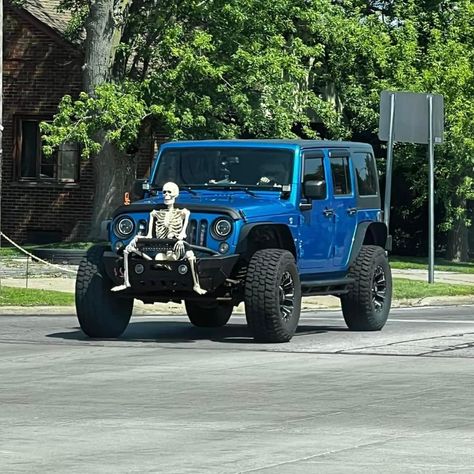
{"points": [[172, 398]]}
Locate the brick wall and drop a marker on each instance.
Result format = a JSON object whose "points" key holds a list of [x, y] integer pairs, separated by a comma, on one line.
{"points": [[39, 68]]}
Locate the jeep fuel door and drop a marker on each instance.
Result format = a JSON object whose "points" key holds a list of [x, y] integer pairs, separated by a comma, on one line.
{"points": [[344, 204], [317, 227]]}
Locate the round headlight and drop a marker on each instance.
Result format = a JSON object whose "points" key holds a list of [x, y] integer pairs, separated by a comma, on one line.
{"points": [[222, 228], [124, 226]]}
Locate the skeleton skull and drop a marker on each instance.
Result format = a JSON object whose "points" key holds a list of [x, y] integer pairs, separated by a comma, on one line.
{"points": [[170, 193]]}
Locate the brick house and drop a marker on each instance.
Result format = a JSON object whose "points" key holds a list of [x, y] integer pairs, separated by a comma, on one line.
{"points": [[43, 199]]}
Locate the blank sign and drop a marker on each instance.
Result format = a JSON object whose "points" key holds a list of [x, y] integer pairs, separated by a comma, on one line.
{"points": [[411, 117]]}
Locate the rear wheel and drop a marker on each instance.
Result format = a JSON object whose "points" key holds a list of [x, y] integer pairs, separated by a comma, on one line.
{"points": [[272, 295], [100, 312], [208, 315], [366, 306]]}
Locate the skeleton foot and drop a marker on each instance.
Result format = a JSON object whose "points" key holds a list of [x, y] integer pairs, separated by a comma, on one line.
{"points": [[199, 290], [119, 288]]}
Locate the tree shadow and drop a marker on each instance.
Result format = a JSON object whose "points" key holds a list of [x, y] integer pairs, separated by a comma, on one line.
{"points": [[185, 332]]}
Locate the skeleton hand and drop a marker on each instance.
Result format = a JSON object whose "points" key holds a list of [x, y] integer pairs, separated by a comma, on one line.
{"points": [[178, 248]]}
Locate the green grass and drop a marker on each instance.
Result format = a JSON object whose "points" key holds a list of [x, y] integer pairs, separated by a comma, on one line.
{"points": [[11, 251], [404, 288], [421, 263], [32, 297]]}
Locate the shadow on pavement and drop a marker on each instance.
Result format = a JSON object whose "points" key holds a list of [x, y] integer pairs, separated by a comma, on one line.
{"points": [[179, 332]]}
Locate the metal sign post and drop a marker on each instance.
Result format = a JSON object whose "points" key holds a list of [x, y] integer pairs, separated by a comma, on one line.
{"points": [[412, 118], [389, 167], [431, 249]]}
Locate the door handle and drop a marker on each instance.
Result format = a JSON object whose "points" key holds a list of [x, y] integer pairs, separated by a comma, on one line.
{"points": [[352, 210], [328, 212]]}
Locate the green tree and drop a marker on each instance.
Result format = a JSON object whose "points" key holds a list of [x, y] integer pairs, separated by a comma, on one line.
{"points": [[438, 54]]}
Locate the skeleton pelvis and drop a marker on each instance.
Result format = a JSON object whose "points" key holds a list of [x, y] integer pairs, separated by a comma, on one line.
{"points": [[170, 256]]}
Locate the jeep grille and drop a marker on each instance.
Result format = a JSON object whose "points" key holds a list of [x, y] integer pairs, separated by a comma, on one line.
{"points": [[197, 232]]}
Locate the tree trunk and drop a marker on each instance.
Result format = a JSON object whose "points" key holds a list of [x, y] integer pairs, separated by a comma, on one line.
{"points": [[114, 175], [114, 171], [458, 242]]}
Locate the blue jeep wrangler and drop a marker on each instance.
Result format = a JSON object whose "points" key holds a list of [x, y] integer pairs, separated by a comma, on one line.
{"points": [[270, 221]]}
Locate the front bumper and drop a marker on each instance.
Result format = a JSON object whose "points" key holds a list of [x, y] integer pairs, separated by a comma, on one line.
{"points": [[162, 278]]}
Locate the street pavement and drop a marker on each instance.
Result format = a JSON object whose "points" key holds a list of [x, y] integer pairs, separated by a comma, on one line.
{"points": [[172, 398]]}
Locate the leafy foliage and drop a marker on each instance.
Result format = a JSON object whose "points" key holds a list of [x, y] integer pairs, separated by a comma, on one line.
{"points": [[284, 68], [253, 68]]}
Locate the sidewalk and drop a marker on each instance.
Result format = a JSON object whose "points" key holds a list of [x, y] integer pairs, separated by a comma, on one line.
{"points": [[310, 303]]}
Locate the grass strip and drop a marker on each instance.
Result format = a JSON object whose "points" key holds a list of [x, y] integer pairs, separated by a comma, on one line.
{"points": [[405, 288], [33, 297], [421, 263], [10, 251]]}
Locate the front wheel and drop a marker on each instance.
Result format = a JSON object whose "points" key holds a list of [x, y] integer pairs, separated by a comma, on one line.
{"points": [[100, 312], [208, 315], [272, 295], [366, 306]]}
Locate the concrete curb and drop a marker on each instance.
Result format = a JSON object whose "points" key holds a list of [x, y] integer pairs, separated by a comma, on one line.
{"points": [[309, 304]]}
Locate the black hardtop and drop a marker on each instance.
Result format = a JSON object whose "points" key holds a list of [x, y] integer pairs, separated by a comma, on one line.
{"points": [[303, 144]]}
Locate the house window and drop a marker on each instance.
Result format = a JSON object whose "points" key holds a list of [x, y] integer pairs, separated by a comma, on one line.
{"points": [[34, 165]]}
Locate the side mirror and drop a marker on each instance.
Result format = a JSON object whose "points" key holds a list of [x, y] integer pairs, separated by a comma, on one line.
{"points": [[315, 189], [138, 190]]}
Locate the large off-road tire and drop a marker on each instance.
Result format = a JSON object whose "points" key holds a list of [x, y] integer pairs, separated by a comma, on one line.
{"points": [[208, 315], [272, 295], [101, 313], [366, 306]]}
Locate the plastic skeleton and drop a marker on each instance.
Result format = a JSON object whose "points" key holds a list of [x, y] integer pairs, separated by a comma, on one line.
{"points": [[169, 223]]}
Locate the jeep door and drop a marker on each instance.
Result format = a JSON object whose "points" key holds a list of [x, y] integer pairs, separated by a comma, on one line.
{"points": [[344, 205], [317, 220]]}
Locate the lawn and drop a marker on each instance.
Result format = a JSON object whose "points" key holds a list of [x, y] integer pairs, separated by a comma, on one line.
{"points": [[9, 251], [403, 288], [404, 263], [32, 297]]}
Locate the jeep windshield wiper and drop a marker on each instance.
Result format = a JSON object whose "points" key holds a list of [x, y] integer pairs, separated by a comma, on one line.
{"points": [[189, 189], [232, 187]]}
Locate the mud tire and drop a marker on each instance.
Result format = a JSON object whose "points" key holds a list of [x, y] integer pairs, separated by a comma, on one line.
{"points": [[101, 313], [363, 307], [208, 315], [264, 302]]}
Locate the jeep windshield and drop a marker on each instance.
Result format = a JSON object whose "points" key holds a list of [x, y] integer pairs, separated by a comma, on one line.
{"points": [[225, 168]]}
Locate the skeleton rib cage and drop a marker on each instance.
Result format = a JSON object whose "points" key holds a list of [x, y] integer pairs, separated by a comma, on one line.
{"points": [[168, 224]]}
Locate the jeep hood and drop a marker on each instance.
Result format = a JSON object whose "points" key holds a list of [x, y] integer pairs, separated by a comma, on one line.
{"points": [[263, 204]]}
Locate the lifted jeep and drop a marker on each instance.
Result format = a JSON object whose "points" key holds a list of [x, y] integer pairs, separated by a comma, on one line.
{"points": [[271, 221]]}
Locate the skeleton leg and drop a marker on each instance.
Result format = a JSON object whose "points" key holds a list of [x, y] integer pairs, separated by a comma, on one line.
{"points": [[126, 283], [191, 258], [131, 247]]}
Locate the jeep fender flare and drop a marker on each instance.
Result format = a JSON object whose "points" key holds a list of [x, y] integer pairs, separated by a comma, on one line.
{"points": [[282, 233], [368, 233]]}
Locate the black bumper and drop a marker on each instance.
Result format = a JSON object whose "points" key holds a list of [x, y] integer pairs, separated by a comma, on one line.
{"points": [[162, 278]]}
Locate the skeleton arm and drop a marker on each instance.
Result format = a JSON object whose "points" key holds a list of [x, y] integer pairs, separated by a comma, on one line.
{"points": [[182, 234], [151, 225], [179, 245]]}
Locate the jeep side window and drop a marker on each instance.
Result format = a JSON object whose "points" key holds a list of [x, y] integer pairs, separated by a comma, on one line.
{"points": [[341, 177], [314, 171], [366, 174]]}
